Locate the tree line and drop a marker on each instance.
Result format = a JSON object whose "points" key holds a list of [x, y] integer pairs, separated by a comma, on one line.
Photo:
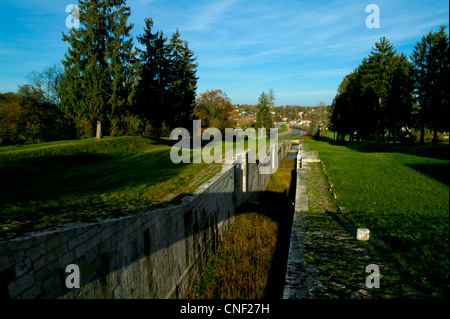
{"points": [[388, 95], [105, 85]]}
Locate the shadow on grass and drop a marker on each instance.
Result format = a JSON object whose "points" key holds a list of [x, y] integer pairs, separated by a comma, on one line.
{"points": [[439, 172], [79, 186], [167, 141], [39, 165]]}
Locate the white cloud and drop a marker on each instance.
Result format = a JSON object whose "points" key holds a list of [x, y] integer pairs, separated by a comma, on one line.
{"points": [[205, 16]]}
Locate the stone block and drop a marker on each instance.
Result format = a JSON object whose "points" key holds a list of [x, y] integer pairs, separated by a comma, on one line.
{"points": [[33, 292], [23, 266], [77, 241], [67, 259], [21, 284], [362, 234]]}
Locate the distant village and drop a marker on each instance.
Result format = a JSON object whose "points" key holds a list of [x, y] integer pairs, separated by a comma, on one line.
{"points": [[298, 116]]}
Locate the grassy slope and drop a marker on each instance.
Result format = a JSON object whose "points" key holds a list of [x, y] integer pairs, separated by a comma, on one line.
{"points": [[50, 183], [400, 194]]}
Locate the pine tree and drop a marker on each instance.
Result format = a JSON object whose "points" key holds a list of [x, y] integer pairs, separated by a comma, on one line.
{"points": [[431, 77], [99, 65], [377, 77], [399, 102], [154, 77], [263, 115], [184, 82], [168, 81]]}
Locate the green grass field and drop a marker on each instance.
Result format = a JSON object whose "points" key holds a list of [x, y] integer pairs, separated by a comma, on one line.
{"points": [[283, 129], [401, 193], [46, 184]]}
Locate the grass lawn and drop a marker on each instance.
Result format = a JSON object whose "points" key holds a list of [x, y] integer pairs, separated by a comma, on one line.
{"points": [[283, 129], [401, 193], [46, 184]]}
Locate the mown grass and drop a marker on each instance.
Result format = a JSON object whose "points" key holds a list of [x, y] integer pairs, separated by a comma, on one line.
{"points": [[283, 129], [47, 184], [249, 261], [401, 193]]}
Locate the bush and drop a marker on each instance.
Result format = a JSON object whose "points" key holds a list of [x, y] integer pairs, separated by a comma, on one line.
{"points": [[133, 125]]}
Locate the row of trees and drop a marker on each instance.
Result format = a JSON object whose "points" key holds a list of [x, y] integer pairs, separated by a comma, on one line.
{"points": [[105, 84], [388, 94], [111, 83]]}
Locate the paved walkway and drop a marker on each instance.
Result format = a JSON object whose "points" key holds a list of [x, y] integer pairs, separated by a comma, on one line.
{"points": [[291, 132]]}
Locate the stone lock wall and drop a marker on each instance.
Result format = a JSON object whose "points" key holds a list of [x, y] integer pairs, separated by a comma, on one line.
{"points": [[151, 254]]}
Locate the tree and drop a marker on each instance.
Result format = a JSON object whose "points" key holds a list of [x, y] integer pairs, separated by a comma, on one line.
{"points": [[10, 115], [399, 103], [431, 77], [214, 108], [375, 97], [167, 81], [319, 119], [378, 76], [49, 82], [100, 63], [154, 77], [40, 117], [263, 116], [352, 109], [183, 84]]}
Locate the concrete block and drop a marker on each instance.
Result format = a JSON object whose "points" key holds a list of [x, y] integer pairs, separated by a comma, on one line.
{"points": [[67, 259], [77, 241], [33, 292], [362, 234], [44, 260], [21, 284], [23, 266]]}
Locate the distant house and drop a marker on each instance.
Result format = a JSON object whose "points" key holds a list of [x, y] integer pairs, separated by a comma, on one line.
{"points": [[305, 122]]}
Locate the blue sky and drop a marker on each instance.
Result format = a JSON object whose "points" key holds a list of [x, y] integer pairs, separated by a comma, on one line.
{"points": [[301, 49]]}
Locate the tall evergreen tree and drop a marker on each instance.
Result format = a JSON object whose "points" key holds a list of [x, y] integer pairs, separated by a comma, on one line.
{"points": [[431, 77], [399, 103], [100, 63], [168, 82], [353, 108], [263, 116], [375, 97], [154, 77], [183, 84], [377, 77]]}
